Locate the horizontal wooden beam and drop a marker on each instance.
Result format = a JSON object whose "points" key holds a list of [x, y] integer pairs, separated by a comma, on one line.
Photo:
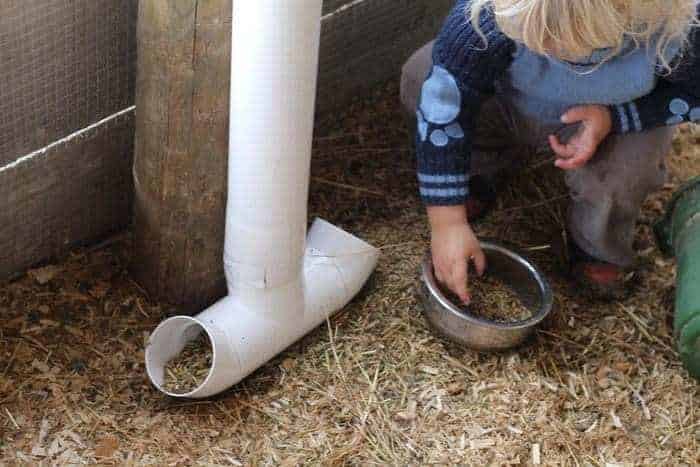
{"points": [[75, 191]]}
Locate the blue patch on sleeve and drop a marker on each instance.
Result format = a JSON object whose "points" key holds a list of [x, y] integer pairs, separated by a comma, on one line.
{"points": [[695, 114], [675, 120], [422, 126], [455, 131], [439, 138], [441, 100], [679, 107]]}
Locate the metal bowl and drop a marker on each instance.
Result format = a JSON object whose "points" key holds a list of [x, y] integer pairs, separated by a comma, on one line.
{"points": [[474, 332]]}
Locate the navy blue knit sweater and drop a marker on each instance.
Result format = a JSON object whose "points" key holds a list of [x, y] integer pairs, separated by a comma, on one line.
{"points": [[466, 72]]}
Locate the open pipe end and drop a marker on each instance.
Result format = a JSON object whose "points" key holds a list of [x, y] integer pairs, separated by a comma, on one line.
{"points": [[167, 342], [243, 337], [333, 241]]}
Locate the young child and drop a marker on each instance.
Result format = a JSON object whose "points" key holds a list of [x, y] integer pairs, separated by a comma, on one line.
{"points": [[616, 75]]}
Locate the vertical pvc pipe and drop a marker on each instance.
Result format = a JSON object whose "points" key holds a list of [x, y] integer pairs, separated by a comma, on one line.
{"points": [[273, 90], [281, 286]]}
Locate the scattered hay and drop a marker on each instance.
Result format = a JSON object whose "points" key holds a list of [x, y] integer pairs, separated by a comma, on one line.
{"points": [[598, 385], [188, 370]]}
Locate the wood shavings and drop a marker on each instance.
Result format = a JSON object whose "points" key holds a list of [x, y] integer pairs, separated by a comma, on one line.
{"points": [[39, 448], [643, 404], [536, 454], [12, 419], [478, 444], [429, 370], [584, 421], [188, 370], [107, 447], [617, 423], [514, 430], [409, 414], [44, 275], [358, 381]]}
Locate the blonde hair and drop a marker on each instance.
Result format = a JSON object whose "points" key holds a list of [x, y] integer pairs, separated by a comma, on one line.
{"points": [[573, 29]]}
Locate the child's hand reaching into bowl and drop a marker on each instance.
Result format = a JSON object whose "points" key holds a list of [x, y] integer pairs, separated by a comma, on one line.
{"points": [[595, 125], [453, 246]]}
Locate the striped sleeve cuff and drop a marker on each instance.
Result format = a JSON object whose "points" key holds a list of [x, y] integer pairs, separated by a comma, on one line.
{"points": [[443, 189], [625, 118]]}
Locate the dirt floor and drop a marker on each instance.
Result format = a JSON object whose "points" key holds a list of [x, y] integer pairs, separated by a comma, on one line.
{"points": [[600, 384]]}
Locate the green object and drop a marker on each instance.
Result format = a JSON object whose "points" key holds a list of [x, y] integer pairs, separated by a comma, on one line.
{"points": [[678, 234]]}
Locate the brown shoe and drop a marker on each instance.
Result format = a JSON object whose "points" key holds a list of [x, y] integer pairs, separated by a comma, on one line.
{"points": [[600, 280]]}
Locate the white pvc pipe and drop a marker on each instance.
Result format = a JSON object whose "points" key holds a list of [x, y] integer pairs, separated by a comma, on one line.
{"points": [[281, 283]]}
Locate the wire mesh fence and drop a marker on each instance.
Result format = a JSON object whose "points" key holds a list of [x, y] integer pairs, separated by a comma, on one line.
{"points": [[64, 64]]}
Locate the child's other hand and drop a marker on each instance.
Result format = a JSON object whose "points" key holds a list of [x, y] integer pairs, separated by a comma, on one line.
{"points": [[453, 246], [596, 124]]}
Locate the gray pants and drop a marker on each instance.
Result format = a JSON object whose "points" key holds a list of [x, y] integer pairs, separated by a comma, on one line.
{"points": [[607, 193]]}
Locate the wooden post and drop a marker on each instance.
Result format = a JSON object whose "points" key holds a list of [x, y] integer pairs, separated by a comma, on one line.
{"points": [[181, 149], [182, 122]]}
